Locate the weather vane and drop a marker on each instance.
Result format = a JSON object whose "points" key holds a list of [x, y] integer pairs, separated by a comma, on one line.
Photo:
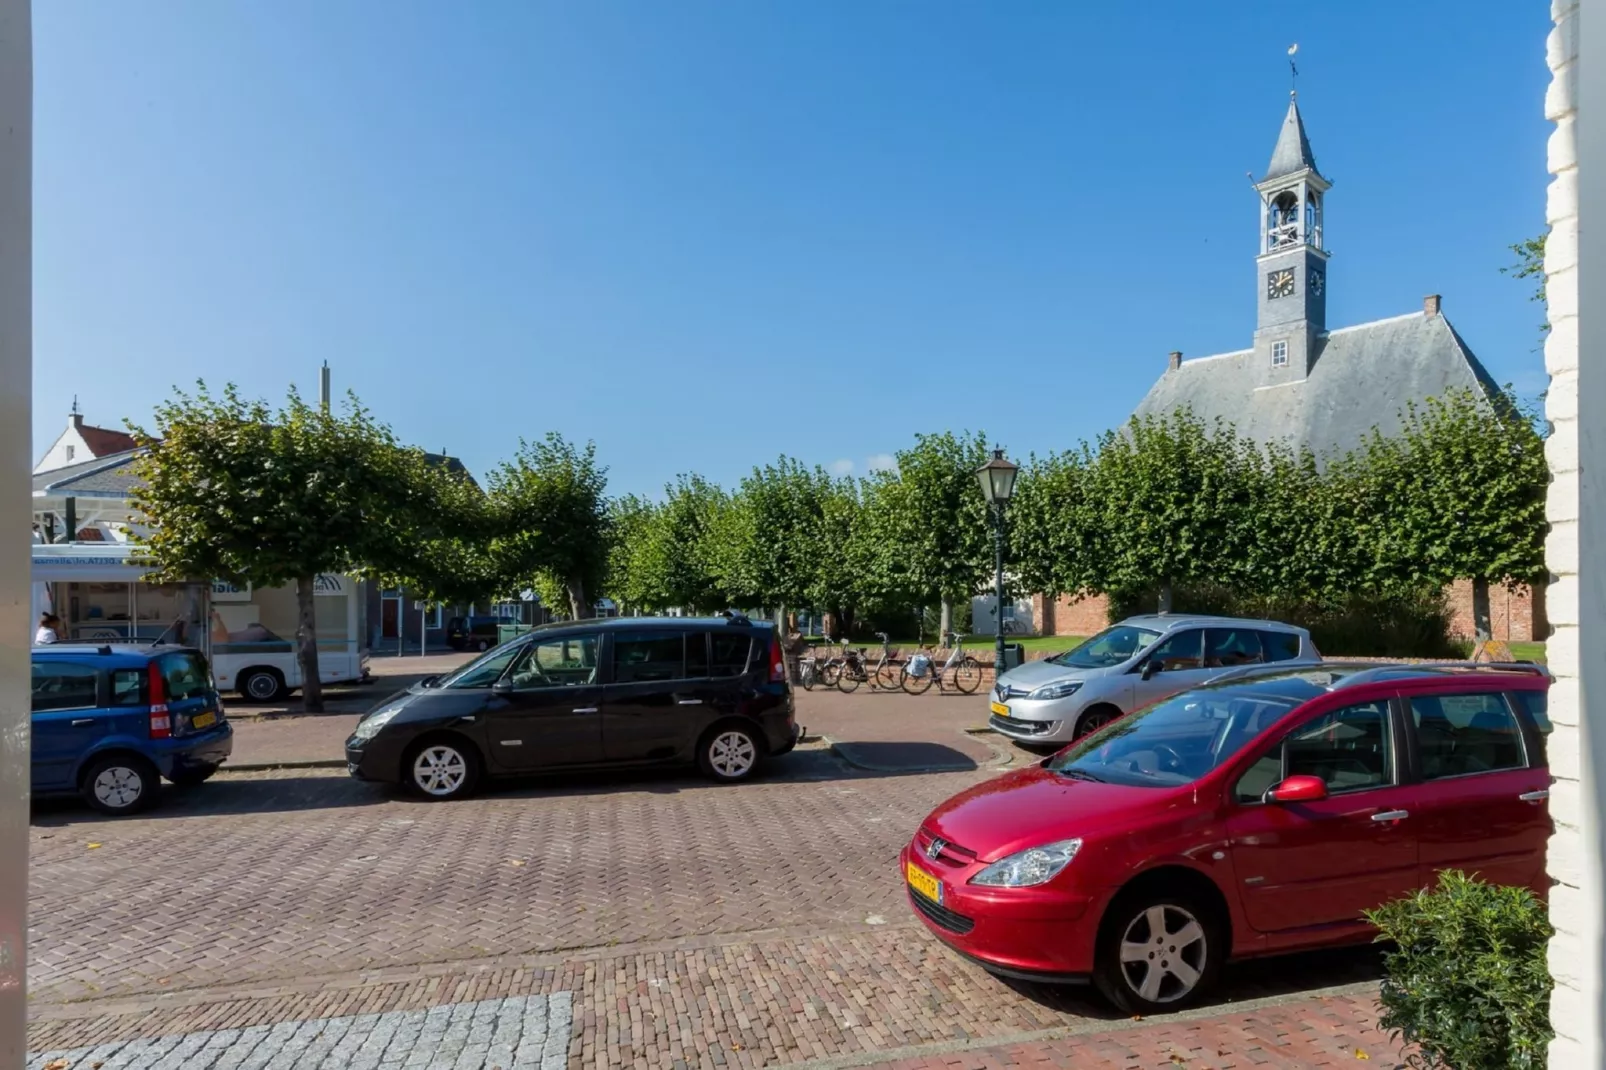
{"points": [[1293, 71]]}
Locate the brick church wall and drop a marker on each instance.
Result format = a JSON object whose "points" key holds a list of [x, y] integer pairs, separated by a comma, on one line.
{"points": [[1514, 616], [1067, 615]]}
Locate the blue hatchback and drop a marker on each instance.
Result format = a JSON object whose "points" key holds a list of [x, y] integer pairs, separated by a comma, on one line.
{"points": [[109, 722]]}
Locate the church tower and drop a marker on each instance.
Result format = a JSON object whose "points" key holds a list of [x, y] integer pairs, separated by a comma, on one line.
{"points": [[1292, 263]]}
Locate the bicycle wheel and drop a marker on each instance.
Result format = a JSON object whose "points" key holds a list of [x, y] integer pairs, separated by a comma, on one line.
{"points": [[829, 673], [849, 679], [887, 676], [967, 675], [806, 677], [916, 685]]}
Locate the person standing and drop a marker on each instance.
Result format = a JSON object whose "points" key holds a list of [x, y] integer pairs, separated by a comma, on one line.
{"points": [[49, 625]]}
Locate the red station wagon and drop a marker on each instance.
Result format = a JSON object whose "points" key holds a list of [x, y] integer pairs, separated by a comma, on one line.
{"points": [[1256, 816]]}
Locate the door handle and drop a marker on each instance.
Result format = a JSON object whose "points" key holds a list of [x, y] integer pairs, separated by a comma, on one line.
{"points": [[586, 709], [79, 722], [1528, 796], [1391, 815], [689, 702]]}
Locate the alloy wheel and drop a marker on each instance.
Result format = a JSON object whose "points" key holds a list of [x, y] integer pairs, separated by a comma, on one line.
{"points": [[1163, 953], [440, 770], [732, 754]]}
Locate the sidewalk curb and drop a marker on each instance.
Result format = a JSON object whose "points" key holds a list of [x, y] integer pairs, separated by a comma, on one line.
{"points": [[292, 763]]}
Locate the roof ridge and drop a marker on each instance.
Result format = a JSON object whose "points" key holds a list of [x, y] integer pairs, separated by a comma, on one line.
{"points": [[1377, 323]]}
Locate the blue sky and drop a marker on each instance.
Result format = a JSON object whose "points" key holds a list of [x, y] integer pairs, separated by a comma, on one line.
{"points": [[706, 233]]}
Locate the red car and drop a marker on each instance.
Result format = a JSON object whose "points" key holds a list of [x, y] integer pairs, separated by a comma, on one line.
{"points": [[1256, 816]]}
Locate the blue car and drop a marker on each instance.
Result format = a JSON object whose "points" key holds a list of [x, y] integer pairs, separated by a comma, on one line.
{"points": [[110, 722]]}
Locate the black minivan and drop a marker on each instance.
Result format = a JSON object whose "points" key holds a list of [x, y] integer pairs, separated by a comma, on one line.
{"points": [[583, 694]]}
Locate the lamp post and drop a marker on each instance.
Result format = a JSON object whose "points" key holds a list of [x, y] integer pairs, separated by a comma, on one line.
{"points": [[997, 478]]}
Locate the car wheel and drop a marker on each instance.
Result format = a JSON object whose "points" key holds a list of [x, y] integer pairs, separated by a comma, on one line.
{"points": [[482, 646], [442, 769], [193, 775], [729, 754], [1095, 719], [121, 784], [1158, 953], [261, 685]]}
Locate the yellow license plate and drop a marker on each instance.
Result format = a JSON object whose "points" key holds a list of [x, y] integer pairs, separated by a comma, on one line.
{"points": [[204, 720], [1000, 709], [924, 883]]}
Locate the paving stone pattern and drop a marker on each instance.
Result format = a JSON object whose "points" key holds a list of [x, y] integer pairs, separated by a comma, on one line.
{"points": [[515, 1033]]}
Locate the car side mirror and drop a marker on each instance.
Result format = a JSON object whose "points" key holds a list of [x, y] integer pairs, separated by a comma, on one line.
{"points": [[429, 681], [502, 687], [1150, 667], [1298, 789]]}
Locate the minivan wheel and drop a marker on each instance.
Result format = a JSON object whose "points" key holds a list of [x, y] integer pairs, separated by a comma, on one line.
{"points": [[120, 784], [1158, 953], [442, 769], [728, 754], [482, 646], [261, 685], [1095, 719]]}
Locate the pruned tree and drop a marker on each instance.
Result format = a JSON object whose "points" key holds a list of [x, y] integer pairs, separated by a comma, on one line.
{"points": [[235, 490], [550, 519]]}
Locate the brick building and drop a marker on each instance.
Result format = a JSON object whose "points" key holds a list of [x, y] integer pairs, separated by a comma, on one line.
{"points": [[1302, 384]]}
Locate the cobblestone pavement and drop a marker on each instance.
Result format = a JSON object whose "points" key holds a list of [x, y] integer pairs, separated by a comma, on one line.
{"points": [[515, 1033], [693, 924]]}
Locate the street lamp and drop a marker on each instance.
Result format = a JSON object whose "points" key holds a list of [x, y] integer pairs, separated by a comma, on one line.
{"points": [[997, 478]]}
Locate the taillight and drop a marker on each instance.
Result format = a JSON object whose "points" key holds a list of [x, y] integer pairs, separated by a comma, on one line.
{"points": [[777, 663], [161, 720]]}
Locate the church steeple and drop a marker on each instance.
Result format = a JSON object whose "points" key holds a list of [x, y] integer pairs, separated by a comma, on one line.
{"points": [[1292, 262]]}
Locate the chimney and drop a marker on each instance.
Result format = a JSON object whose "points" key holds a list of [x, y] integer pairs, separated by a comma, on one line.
{"points": [[75, 418], [1430, 304], [323, 387], [1174, 361]]}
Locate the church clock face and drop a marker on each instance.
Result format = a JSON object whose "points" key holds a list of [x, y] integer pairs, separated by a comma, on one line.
{"points": [[1280, 283], [1317, 283]]}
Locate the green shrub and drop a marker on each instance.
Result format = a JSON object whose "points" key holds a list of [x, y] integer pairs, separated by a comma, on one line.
{"points": [[1467, 980]]}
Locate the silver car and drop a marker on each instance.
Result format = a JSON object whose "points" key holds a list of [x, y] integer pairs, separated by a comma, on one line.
{"points": [[1130, 665]]}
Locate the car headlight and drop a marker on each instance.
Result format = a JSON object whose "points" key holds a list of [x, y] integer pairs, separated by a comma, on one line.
{"points": [[1059, 690], [369, 726], [1025, 869]]}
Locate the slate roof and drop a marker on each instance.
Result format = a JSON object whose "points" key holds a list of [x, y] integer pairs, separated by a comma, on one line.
{"points": [[103, 477], [1293, 152], [1363, 378]]}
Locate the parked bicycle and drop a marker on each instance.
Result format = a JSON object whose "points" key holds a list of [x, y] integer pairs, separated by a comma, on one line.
{"points": [[922, 670], [881, 675]]}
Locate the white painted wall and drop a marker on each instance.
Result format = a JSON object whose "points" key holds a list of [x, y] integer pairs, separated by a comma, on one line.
{"points": [[69, 449], [16, 443], [1576, 554]]}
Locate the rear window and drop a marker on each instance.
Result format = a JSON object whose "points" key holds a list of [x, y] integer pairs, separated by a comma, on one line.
{"points": [[185, 675], [64, 685], [731, 651], [1280, 646]]}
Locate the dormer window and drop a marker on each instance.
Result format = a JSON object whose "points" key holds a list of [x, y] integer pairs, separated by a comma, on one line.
{"points": [[1279, 354]]}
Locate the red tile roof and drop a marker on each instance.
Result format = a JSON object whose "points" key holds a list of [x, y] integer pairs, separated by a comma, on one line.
{"points": [[102, 442]]}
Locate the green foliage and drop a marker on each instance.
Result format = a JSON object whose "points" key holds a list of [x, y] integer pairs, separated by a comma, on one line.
{"points": [[678, 562], [1056, 542], [233, 489], [445, 556], [630, 521], [1174, 501], [550, 520], [1531, 265], [1467, 980], [927, 521], [1460, 493]]}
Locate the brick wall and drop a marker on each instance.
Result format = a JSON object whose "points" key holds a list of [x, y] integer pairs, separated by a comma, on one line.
{"points": [[1068, 615], [1514, 616]]}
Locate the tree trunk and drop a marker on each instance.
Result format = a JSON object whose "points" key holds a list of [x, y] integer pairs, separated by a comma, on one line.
{"points": [[1482, 625], [577, 598], [307, 644], [945, 619], [1165, 597]]}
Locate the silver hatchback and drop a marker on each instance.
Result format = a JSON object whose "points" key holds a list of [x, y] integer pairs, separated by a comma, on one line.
{"points": [[1130, 665]]}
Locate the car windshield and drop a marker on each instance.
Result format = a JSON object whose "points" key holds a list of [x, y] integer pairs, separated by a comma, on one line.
{"points": [[484, 670], [1179, 740], [1112, 646]]}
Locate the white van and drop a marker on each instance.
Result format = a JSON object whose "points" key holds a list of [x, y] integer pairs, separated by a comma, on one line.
{"points": [[253, 631]]}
